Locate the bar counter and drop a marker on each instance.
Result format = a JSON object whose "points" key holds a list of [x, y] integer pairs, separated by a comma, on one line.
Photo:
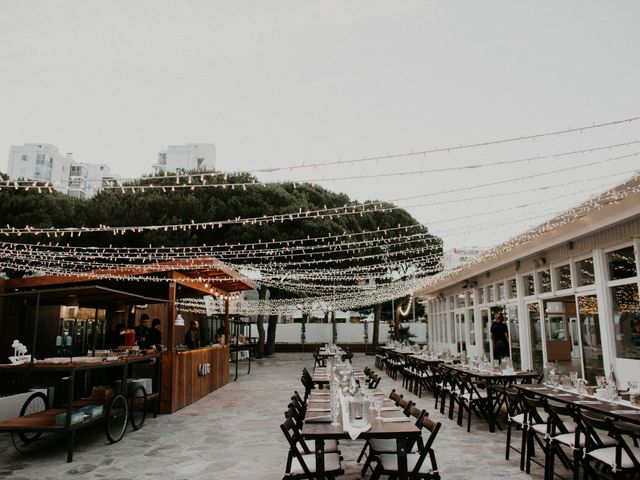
{"points": [[190, 375]]}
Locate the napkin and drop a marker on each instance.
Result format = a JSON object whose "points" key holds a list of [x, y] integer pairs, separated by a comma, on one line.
{"points": [[319, 419], [323, 394], [318, 409], [586, 402], [395, 419], [319, 400], [627, 412], [353, 431], [379, 393], [390, 409]]}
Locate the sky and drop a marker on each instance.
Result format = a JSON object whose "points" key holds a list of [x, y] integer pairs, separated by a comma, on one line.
{"points": [[286, 83]]}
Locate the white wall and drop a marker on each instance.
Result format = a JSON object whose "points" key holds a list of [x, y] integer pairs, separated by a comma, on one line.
{"points": [[347, 332]]}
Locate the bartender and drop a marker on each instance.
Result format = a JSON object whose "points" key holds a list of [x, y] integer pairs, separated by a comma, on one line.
{"points": [[192, 337]]}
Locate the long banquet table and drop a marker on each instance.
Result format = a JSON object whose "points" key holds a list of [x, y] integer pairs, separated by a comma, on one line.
{"points": [[621, 410], [491, 378], [403, 432]]}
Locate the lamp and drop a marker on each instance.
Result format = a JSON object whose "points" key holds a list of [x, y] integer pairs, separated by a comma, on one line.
{"points": [[179, 321]]}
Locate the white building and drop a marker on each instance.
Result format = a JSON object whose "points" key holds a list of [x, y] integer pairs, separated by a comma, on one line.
{"points": [[568, 288], [182, 158], [43, 162]]}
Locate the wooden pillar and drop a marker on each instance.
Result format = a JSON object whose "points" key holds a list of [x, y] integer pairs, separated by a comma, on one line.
{"points": [[171, 316], [227, 323]]}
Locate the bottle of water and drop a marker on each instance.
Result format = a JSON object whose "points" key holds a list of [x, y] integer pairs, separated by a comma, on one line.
{"points": [[613, 385]]}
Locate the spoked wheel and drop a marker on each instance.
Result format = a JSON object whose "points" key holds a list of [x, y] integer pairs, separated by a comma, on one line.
{"points": [[138, 407], [37, 402], [117, 416]]}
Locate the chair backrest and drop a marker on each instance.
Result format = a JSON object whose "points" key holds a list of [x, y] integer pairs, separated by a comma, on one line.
{"points": [[374, 381], [514, 401], [532, 405], [294, 439], [405, 405], [426, 447], [395, 396], [595, 426], [625, 434], [558, 410]]}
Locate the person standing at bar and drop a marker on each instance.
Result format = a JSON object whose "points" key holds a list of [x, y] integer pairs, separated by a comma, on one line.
{"points": [[192, 337], [499, 332], [155, 336]]}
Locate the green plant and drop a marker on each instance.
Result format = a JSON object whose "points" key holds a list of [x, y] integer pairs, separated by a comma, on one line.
{"points": [[404, 335]]}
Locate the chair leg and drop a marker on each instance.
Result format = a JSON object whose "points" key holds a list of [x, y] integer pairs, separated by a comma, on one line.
{"points": [[377, 472], [523, 447], [364, 449], [506, 453], [469, 419]]}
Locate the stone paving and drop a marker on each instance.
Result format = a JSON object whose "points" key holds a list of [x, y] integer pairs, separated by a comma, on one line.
{"points": [[234, 434]]}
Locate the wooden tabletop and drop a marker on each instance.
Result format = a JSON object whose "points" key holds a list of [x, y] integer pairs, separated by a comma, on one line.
{"points": [[79, 365], [620, 411], [489, 375], [379, 429]]}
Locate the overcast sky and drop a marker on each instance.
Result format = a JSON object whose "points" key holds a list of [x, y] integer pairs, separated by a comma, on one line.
{"points": [[289, 82]]}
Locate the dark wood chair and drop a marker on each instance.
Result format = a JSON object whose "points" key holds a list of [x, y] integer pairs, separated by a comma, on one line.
{"points": [[301, 462], [421, 464]]}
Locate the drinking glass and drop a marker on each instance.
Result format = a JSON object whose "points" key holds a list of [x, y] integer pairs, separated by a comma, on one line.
{"points": [[574, 379], [601, 381], [377, 404]]}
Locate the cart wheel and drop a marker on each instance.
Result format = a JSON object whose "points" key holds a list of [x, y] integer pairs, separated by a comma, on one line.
{"points": [[34, 404], [138, 407], [117, 416]]}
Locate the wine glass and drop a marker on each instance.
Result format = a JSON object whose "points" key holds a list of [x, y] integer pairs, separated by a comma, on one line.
{"points": [[377, 404]]}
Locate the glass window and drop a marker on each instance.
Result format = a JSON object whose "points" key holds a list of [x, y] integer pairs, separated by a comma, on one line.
{"points": [[460, 300], [452, 328], [512, 289], [451, 303], [563, 276], [481, 295], [584, 272], [490, 294], [544, 279], [501, 291], [529, 285], [514, 333], [626, 317], [470, 297], [590, 332], [622, 264], [472, 328]]}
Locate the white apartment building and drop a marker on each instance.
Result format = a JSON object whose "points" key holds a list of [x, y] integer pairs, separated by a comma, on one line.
{"points": [[43, 162], [182, 158]]}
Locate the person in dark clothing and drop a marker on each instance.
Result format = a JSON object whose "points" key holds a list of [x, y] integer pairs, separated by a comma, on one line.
{"points": [[142, 332], [155, 337], [114, 338], [192, 337], [499, 334]]}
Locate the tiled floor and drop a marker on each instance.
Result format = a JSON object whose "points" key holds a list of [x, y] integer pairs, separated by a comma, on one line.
{"points": [[234, 434]]}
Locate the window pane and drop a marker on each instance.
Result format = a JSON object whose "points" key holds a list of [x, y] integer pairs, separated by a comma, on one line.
{"points": [[514, 333], [529, 285], [622, 264], [501, 294], [470, 295], [626, 317], [460, 300], [544, 278], [512, 288], [451, 303], [490, 295], [481, 295], [590, 332], [563, 274], [472, 328], [584, 272]]}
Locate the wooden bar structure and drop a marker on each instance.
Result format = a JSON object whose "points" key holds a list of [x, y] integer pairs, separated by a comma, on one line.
{"points": [[187, 375]]}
